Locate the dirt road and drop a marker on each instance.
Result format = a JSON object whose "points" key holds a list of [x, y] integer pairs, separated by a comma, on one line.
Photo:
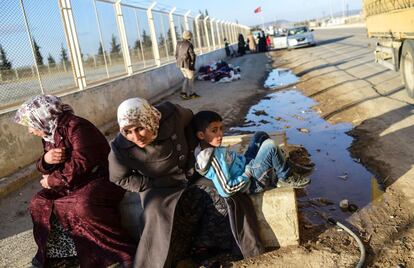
{"points": [[340, 74]]}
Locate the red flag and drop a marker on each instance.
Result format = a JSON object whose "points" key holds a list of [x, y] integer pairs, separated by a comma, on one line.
{"points": [[257, 10]]}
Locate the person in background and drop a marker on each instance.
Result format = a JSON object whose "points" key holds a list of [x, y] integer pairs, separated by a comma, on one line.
{"points": [[241, 46], [186, 60], [75, 216], [227, 48], [268, 43], [262, 42], [251, 43]]}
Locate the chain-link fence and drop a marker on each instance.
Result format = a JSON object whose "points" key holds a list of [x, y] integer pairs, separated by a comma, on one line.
{"points": [[51, 47]]}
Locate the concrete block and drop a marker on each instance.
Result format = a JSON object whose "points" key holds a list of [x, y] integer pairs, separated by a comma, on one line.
{"points": [[276, 209], [277, 215]]}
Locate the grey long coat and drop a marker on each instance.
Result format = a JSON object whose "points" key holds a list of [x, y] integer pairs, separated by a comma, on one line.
{"points": [[158, 173]]}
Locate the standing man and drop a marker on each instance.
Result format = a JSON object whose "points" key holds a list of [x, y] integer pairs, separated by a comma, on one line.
{"points": [[186, 59]]}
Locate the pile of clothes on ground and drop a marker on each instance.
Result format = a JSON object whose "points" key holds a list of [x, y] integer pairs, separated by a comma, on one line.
{"points": [[220, 72]]}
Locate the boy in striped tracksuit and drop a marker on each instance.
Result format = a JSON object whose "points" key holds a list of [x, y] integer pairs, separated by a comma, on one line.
{"points": [[263, 166]]}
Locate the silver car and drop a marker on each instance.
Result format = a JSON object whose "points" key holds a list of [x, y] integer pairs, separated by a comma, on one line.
{"points": [[300, 37]]}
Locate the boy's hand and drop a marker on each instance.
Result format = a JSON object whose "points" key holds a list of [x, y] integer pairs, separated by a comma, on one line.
{"points": [[55, 156]]}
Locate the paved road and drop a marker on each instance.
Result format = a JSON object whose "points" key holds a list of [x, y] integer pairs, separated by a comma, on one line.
{"points": [[350, 50]]}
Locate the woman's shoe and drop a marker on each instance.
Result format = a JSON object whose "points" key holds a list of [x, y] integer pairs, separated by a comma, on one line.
{"points": [[194, 95], [184, 96]]}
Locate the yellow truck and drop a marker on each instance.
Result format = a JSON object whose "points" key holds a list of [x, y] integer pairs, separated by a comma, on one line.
{"points": [[391, 22]]}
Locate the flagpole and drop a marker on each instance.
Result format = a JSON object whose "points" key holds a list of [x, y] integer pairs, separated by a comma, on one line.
{"points": [[261, 15]]}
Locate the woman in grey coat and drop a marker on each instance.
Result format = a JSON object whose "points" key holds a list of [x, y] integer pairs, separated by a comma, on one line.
{"points": [[153, 155]]}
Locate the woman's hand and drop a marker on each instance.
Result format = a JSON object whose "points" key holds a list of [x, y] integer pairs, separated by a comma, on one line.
{"points": [[55, 156], [44, 183]]}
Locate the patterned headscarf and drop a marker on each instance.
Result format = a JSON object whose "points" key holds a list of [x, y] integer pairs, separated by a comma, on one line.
{"points": [[42, 113], [138, 112]]}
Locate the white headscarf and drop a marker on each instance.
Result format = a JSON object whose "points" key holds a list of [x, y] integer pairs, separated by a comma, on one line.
{"points": [[138, 112], [42, 113]]}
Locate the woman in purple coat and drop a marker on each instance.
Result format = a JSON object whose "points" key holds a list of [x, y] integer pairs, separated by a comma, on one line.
{"points": [[75, 215]]}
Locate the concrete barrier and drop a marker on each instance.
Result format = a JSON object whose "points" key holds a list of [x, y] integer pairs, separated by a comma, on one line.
{"points": [[98, 104], [277, 215]]}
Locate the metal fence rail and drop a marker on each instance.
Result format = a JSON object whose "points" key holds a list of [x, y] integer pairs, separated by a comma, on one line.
{"points": [[52, 47]]}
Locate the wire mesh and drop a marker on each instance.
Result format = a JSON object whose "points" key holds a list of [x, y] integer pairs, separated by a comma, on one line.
{"points": [[30, 63], [179, 26], [139, 42], [193, 29], [35, 57], [164, 39], [110, 37]]}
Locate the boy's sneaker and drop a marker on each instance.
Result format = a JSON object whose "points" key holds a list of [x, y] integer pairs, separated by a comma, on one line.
{"points": [[184, 96], [294, 181], [194, 95]]}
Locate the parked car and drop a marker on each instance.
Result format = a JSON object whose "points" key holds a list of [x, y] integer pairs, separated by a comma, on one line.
{"points": [[280, 41], [300, 37]]}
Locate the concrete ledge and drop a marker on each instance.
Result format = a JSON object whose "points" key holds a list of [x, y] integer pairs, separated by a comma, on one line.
{"points": [[277, 215], [15, 181]]}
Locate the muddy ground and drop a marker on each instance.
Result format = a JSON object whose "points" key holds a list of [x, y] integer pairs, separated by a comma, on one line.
{"points": [[338, 74]]}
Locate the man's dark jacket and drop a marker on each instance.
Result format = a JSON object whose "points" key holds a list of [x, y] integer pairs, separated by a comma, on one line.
{"points": [[185, 56]]}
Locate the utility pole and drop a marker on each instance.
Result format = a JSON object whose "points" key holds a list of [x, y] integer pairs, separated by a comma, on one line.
{"points": [[330, 3], [343, 8]]}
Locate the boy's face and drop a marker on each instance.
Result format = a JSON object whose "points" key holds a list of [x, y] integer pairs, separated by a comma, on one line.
{"points": [[213, 134]]}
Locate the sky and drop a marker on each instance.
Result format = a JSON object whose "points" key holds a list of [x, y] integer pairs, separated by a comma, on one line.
{"points": [[242, 10]]}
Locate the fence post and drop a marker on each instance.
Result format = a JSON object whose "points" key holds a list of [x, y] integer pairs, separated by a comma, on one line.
{"points": [[226, 29], [123, 37], [206, 31], [187, 26], [218, 33], [233, 27], [172, 28], [73, 43], [198, 33], [212, 33], [153, 34]]}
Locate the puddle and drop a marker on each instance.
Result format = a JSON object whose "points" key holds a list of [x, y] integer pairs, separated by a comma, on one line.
{"points": [[279, 78], [337, 176]]}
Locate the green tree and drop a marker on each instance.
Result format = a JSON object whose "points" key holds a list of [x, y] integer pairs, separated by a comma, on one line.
{"points": [[137, 44], [146, 40], [38, 55], [206, 12], [170, 41], [202, 14], [63, 54], [5, 64], [115, 47], [100, 49], [161, 40], [50, 60]]}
